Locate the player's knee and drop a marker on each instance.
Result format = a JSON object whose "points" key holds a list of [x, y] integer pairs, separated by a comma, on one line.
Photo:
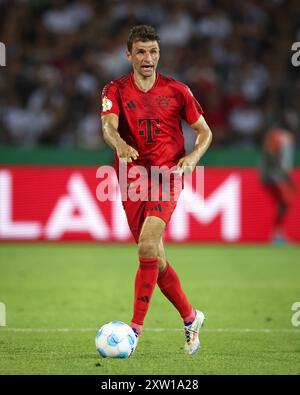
{"points": [[147, 249]]}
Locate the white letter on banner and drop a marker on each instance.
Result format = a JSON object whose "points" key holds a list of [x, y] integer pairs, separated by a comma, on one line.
{"points": [[10, 229], [224, 201], [90, 219]]}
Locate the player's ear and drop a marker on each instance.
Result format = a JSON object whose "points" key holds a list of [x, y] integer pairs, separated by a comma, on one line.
{"points": [[128, 54], [158, 54]]}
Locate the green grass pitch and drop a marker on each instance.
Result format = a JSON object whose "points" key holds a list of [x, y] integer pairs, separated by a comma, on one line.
{"points": [[57, 296]]}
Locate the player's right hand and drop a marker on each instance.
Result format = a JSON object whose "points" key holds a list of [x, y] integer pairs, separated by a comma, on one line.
{"points": [[126, 153]]}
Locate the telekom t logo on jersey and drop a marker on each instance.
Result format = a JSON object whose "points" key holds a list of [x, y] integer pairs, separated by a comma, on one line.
{"points": [[151, 128]]}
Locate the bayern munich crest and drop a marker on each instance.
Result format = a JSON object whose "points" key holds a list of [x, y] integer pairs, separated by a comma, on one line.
{"points": [[163, 101]]}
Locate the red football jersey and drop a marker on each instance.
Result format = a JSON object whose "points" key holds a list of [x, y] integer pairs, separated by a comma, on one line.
{"points": [[150, 121]]}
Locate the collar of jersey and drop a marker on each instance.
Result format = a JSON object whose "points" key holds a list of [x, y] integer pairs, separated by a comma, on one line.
{"points": [[140, 90]]}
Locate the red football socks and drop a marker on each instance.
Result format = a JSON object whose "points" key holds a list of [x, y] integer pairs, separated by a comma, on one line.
{"points": [[170, 286], [145, 281]]}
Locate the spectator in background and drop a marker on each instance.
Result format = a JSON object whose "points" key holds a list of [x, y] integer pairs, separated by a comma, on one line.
{"points": [[64, 18], [60, 52], [276, 175], [246, 121]]}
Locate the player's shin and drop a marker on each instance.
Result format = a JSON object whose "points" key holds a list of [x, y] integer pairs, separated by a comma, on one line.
{"points": [[145, 281], [169, 284]]}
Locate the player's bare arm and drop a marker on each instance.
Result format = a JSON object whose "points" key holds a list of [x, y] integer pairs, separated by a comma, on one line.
{"points": [[110, 123], [204, 137]]}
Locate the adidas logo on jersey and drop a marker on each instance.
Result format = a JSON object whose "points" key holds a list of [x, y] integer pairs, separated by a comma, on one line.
{"points": [[130, 105], [157, 208]]}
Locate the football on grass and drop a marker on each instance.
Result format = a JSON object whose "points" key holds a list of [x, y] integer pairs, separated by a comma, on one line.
{"points": [[115, 340]]}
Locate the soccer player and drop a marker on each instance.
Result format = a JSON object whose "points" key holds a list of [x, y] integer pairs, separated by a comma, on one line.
{"points": [[277, 163], [141, 121]]}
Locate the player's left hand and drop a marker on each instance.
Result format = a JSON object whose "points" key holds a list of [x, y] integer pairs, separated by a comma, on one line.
{"points": [[187, 164]]}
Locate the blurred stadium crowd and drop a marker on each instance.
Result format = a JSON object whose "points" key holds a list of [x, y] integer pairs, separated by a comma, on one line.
{"points": [[235, 56]]}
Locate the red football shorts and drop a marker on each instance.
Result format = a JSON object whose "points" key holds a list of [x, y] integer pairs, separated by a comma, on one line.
{"points": [[161, 202]]}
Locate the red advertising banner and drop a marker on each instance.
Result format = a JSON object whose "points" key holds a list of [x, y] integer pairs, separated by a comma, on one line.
{"points": [[60, 203]]}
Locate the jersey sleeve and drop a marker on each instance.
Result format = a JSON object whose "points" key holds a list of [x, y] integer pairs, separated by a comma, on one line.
{"points": [[109, 100], [192, 110]]}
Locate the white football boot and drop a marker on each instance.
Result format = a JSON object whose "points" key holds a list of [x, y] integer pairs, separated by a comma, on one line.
{"points": [[192, 343]]}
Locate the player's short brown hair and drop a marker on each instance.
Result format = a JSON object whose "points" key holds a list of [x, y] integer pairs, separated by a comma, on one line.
{"points": [[141, 33]]}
